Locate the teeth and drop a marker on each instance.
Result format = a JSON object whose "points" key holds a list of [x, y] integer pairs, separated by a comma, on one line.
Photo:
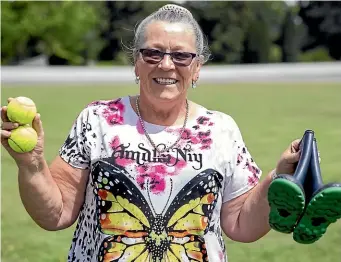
{"points": [[165, 81]]}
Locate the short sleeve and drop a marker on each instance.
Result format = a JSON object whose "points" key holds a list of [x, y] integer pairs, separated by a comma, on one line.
{"points": [[75, 149], [242, 173]]}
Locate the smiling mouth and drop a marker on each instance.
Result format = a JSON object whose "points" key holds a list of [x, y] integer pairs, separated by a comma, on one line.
{"points": [[165, 81]]}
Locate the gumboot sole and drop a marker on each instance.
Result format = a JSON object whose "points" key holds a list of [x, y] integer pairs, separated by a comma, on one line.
{"points": [[323, 209], [287, 201]]}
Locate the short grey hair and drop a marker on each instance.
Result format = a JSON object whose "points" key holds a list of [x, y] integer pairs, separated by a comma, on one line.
{"points": [[172, 14]]}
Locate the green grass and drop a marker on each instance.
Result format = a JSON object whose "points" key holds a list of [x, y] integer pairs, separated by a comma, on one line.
{"points": [[270, 117]]}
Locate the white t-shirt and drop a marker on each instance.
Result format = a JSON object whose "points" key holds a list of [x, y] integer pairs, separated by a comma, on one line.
{"points": [[143, 207]]}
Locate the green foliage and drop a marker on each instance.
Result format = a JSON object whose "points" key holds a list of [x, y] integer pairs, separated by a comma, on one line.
{"points": [[319, 54], [275, 54], [237, 31], [263, 30], [63, 28], [224, 23], [257, 43], [123, 20], [291, 36], [323, 25], [14, 35]]}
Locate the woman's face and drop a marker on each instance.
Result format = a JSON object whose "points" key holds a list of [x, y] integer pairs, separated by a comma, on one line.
{"points": [[167, 80]]}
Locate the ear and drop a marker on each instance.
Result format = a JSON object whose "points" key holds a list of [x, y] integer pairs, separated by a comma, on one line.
{"points": [[196, 70]]}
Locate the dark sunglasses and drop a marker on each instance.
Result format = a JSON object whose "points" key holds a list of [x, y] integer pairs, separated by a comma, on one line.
{"points": [[153, 56]]}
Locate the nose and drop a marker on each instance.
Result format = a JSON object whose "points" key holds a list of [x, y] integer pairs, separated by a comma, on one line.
{"points": [[166, 63]]}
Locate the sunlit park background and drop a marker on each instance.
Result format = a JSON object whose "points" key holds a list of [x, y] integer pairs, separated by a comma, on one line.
{"points": [[43, 43]]}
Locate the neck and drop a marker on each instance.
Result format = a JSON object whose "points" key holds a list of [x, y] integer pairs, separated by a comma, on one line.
{"points": [[165, 114]]}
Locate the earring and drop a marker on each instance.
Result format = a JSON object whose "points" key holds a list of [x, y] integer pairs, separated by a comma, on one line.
{"points": [[194, 84], [137, 80]]}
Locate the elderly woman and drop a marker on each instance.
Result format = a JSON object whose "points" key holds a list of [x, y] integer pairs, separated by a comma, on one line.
{"points": [[151, 177]]}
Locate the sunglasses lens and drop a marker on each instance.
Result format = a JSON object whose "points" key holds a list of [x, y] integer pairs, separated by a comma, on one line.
{"points": [[152, 56], [182, 58]]}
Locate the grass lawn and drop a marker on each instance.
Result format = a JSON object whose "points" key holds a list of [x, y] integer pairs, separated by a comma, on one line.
{"points": [[270, 117]]}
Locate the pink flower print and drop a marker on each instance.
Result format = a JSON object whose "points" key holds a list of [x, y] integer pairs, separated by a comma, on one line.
{"points": [[254, 170], [157, 184], [206, 143], [205, 139], [179, 164], [195, 140], [115, 142], [112, 117], [142, 168], [204, 135], [96, 103], [114, 112], [210, 124], [186, 134], [157, 173], [116, 105], [253, 180], [200, 138], [202, 120]]}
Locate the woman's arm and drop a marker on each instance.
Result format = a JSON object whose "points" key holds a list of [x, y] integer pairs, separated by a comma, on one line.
{"points": [[245, 218], [52, 195]]}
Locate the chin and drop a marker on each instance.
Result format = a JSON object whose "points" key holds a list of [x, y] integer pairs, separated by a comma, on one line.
{"points": [[168, 95]]}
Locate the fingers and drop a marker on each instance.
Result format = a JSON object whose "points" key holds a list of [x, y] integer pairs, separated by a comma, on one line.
{"points": [[6, 125], [4, 117], [38, 125], [295, 157], [5, 134], [295, 146], [295, 150], [9, 126]]}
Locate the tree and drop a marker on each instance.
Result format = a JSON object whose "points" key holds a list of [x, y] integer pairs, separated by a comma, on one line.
{"points": [[264, 24], [63, 29], [323, 20], [123, 19], [293, 33], [224, 24]]}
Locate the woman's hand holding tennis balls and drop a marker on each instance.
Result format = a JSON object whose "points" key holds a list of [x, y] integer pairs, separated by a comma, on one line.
{"points": [[34, 157]]}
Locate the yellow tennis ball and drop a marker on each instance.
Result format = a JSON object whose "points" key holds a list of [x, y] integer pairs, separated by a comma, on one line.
{"points": [[21, 110], [23, 139]]}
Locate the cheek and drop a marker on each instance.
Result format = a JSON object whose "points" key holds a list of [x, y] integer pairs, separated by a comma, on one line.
{"points": [[186, 74], [143, 70]]}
